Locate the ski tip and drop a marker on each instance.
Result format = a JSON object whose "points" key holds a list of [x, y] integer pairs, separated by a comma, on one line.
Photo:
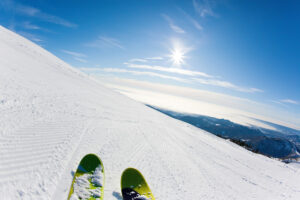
{"points": [[134, 185], [89, 179]]}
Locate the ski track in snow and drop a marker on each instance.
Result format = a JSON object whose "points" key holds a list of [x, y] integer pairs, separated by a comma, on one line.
{"points": [[52, 115]]}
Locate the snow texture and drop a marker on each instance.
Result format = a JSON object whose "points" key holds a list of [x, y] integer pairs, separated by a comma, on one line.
{"points": [[52, 115], [82, 185], [97, 177]]}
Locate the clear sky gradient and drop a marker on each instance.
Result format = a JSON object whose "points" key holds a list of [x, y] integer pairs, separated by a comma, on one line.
{"points": [[246, 49]]}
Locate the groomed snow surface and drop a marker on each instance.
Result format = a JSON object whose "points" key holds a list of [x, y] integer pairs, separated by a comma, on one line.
{"points": [[51, 116]]}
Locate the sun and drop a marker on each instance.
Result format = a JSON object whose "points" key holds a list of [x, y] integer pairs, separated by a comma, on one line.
{"points": [[177, 56], [177, 53]]}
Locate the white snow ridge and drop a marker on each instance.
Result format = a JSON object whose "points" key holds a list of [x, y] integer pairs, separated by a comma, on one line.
{"points": [[52, 115]]}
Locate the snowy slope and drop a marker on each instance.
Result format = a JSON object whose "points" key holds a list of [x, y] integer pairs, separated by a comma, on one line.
{"points": [[51, 115]]}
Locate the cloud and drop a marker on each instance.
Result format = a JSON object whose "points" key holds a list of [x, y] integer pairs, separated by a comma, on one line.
{"points": [[72, 53], [192, 20], [80, 60], [204, 8], [118, 70], [155, 58], [35, 12], [209, 80], [169, 69], [30, 36], [290, 101], [195, 23], [225, 84], [279, 103], [145, 59], [27, 10], [103, 41], [174, 27], [137, 60], [30, 26], [195, 101], [76, 56]]}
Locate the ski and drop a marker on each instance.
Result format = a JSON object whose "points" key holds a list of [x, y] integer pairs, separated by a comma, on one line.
{"points": [[134, 186], [88, 181]]}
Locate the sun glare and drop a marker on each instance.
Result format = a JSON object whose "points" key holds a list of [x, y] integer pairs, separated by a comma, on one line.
{"points": [[177, 57], [177, 53]]}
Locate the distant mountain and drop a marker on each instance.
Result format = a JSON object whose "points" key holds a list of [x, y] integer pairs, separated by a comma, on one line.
{"points": [[284, 143], [282, 129]]}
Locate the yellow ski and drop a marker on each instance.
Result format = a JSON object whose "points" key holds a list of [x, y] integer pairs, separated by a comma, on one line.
{"points": [[88, 181], [134, 186]]}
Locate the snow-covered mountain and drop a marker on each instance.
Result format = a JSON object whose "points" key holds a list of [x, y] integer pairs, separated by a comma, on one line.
{"points": [[52, 115], [281, 143]]}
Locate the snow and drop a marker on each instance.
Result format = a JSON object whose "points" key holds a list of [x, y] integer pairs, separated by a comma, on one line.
{"points": [[97, 178], [52, 115], [82, 185]]}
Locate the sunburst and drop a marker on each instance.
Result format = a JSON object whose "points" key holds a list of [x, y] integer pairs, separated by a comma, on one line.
{"points": [[177, 56], [177, 53]]}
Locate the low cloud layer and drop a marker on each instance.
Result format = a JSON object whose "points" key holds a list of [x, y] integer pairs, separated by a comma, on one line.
{"points": [[188, 100]]}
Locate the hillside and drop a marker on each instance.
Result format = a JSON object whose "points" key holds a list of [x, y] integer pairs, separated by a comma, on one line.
{"points": [[52, 115]]}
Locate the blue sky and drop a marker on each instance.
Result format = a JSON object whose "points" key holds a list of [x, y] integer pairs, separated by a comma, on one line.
{"points": [[246, 49]]}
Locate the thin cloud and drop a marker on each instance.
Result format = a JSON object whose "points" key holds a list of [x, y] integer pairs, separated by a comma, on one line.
{"points": [[27, 10], [279, 103], [118, 70], [172, 25], [192, 20], [30, 26], [30, 36], [170, 70], [75, 54], [80, 60], [137, 60], [208, 81], [226, 84], [204, 8], [145, 59], [103, 41], [35, 12], [155, 58], [290, 101]]}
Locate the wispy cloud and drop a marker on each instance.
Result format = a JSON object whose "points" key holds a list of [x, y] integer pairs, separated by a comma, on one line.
{"points": [[206, 80], [226, 84], [204, 8], [137, 60], [144, 60], [76, 56], [290, 101], [169, 69], [35, 12], [80, 60], [27, 10], [103, 41], [172, 25], [279, 103], [192, 20], [155, 58], [118, 70], [72, 53], [30, 36], [30, 26]]}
